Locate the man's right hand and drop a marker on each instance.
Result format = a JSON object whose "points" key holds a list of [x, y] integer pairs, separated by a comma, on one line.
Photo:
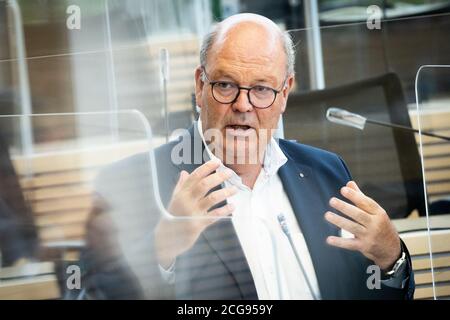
{"points": [[189, 199]]}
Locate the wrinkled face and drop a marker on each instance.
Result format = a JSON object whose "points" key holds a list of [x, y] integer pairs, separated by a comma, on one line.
{"points": [[247, 55]]}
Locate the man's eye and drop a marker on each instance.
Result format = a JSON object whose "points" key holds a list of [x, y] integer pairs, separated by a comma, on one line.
{"points": [[224, 85], [261, 89]]}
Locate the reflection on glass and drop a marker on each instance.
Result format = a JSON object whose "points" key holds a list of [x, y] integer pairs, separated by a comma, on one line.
{"points": [[433, 114], [65, 196]]}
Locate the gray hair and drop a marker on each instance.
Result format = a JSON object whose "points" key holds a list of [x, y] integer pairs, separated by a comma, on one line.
{"points": [[288, 46]]}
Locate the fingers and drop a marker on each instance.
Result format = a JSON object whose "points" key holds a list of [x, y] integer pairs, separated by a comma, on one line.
{"points": [[181, 180], [203, 171], [376, 237], [203, 179], [353, 185], [351, 211], [190, 196], [344, 243], [218, 213], [211, 181], [360, 200], [222, 211], [216, 197], [343, 223]]}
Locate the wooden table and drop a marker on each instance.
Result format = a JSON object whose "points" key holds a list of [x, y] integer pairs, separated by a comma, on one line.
{"points": [[32, 281]]}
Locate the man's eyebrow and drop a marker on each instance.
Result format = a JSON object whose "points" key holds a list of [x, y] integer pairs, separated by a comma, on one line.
{"points": [[222, 74], [269, 80]]}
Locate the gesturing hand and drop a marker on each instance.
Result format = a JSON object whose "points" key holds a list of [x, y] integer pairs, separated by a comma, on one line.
{"points": [[375, 235], [190, 200]]}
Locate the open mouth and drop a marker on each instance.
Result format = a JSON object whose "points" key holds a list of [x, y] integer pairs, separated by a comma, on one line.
{"points": [[239, 127], [239, 130]]}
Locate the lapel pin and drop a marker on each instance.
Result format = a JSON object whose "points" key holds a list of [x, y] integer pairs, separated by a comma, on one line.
{"points": [[302, 175]]}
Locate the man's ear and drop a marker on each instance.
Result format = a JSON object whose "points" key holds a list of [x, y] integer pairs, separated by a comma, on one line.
{"points": [[289, 85], [199, 85], [287, 89]]}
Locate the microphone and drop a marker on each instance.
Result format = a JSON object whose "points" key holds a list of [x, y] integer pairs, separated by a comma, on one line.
{"points": [[346, 118], [284, 227]]}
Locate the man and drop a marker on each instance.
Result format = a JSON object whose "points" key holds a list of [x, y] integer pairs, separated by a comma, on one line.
{"points": [[264, 228]]}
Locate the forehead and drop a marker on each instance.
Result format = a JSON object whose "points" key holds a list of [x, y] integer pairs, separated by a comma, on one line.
{"points": [[247, 51]]}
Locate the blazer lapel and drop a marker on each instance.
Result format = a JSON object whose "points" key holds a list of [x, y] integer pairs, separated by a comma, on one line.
{"points": [[222, 238], [309, 206]]}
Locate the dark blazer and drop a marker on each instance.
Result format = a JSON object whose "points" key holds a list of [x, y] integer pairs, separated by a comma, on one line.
{"points": [[215, 267]]}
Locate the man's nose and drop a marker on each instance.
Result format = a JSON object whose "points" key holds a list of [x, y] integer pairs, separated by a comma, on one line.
{"points": [[242, 103]]}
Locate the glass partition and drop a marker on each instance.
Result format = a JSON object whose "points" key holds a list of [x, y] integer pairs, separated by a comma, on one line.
{"points": [[433, 115], [55, 221]]}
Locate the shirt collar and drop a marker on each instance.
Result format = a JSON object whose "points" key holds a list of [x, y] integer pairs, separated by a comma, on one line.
{"points": [[274, 157]]}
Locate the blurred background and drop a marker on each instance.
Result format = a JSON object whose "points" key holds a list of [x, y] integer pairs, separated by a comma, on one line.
{"points": [[77, 56]]}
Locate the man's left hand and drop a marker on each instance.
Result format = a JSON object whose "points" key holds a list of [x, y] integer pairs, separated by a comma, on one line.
{"points": [[375, 235]]}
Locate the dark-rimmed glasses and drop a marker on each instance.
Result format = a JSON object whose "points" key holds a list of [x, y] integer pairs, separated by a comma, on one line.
{"points": [[227, 92]]}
